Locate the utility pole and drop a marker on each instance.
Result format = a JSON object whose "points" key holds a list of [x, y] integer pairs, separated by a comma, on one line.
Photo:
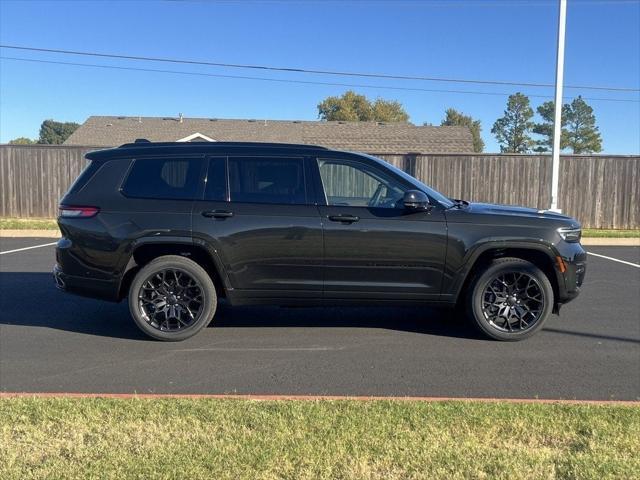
{"points": [[557, 118]]}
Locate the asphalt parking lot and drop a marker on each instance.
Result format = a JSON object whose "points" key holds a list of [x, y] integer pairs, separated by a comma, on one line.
{"points": [[55, 342]]}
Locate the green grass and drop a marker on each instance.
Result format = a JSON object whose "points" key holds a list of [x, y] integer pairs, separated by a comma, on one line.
{"points": [[50, 224], [28, 224], [235, 439], [604, 233]]}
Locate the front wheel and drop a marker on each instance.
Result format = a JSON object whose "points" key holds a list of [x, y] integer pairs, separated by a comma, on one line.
{"points": [[172, 298], [510, 300]]}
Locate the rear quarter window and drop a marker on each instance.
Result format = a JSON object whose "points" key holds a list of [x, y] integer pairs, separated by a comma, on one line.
{"points": [[168, 178], [89, 171]]}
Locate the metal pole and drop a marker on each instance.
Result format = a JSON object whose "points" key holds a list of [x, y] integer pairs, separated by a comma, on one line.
{"points": [[557, 119]]}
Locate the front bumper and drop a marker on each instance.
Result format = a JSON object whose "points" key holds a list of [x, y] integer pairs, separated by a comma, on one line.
{"points": [[574, 258]]}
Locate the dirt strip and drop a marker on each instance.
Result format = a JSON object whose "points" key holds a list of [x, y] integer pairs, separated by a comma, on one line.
{"points": [[259, 397]]}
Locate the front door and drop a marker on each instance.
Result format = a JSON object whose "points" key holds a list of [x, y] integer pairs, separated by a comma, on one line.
{"points": [[266, 233], [375, 248]]}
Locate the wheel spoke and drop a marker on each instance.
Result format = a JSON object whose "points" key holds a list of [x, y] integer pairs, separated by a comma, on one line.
{"points": [[171, 300], [513, 301]]}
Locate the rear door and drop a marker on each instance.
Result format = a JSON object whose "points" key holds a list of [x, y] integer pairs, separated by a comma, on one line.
{"points": [[374, 247], [257, 215]]}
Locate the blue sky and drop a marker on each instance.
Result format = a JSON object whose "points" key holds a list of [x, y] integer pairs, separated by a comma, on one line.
{"points": [[482, 39]]}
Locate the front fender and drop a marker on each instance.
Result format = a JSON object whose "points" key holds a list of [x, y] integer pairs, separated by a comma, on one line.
{"points": [[461, 258]]}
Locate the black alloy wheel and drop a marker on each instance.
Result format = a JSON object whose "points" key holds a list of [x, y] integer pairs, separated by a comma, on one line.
{"points": [[510, 299], [172, 298]]}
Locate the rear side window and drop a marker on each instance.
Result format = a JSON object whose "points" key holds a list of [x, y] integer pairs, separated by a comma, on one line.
{"points": [[267, 180], [163, 178], [84, 177]]}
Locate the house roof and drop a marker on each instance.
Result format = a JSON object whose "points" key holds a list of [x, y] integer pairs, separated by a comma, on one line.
{"points": [[369, 137]]}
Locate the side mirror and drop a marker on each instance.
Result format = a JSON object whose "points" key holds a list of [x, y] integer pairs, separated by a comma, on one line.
{"points": [[416, 200]]}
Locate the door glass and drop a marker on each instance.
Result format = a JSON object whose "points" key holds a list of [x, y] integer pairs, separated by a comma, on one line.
{"points": [[267, 180], [354, 184]]}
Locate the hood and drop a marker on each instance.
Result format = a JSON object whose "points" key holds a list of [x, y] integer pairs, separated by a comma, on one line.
{"points": [[512, 210]]}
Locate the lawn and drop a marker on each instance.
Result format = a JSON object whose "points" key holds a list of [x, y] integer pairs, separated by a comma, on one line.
{"points": [[212, 438], [28, 224], [50, 224], [604, 233]]}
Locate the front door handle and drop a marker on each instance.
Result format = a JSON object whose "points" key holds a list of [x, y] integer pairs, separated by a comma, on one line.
{"points": [[217, 214], [344, 218]]}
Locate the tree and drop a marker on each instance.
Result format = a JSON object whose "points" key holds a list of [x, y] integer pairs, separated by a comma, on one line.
{"points": [[583, 135], [55, 133], [21, 141], [545, 128], [354, 107], [455, 118], [512, 130]]}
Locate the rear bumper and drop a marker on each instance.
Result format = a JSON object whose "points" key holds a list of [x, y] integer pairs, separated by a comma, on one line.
{"points": [[86, 287]]}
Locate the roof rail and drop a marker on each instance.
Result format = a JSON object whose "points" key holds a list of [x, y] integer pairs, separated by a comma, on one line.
{"points": [[143, 142]]}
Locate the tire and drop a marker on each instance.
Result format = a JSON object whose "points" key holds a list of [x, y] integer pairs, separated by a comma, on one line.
{"points": [[510, 316], [178, 300]]}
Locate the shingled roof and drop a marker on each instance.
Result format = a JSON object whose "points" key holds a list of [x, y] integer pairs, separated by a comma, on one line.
{"points": [[369, 137]]}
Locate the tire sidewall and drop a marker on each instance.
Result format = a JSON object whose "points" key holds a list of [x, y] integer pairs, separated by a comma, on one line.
{"points": [[193, 269], [505, 266]]}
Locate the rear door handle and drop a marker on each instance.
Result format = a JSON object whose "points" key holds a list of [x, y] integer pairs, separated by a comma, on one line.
{"points": [[217, 214], [344, 218]]}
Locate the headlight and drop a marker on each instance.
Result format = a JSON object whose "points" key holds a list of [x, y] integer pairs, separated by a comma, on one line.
{"points": [[569, 234]]}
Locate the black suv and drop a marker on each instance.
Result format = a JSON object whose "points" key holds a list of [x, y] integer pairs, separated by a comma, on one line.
{"points": [[176, 226]]}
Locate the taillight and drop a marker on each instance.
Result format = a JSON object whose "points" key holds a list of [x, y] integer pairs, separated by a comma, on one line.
{"points": [[68, 211]]}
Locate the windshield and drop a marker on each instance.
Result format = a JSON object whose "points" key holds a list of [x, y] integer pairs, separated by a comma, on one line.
{"points": [[435, 195]]}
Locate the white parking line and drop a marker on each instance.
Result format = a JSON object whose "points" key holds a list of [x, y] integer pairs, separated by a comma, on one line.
{"points": [[614, 259], [28, 248]]}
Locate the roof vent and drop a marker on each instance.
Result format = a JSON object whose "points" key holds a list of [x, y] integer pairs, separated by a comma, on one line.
{"points": [[213, 119], [121, 118], [253, 120], [180, 117]]}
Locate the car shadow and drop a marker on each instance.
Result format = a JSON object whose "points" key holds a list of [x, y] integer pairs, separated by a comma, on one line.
{"points": [[31, 300]]}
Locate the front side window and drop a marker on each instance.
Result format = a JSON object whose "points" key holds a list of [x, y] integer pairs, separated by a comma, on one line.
{"points": [[354, 184], [163, 178], [267, 180]]}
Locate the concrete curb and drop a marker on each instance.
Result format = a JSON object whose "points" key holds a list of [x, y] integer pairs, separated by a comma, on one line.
{"points": [[610, 242], [270, 397], [29, 233], [588, 241]]}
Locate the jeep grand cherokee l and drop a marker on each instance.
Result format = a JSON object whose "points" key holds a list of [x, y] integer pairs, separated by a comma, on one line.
{"points": [[174, 227]]}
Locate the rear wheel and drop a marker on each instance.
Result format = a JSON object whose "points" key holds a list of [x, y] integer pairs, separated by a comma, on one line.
{"points": [[172, 298], [510, 300]]}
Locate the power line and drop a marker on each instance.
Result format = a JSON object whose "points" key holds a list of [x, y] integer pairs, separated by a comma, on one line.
{"points": [[416, 3], [304, 82], [311, 71]]}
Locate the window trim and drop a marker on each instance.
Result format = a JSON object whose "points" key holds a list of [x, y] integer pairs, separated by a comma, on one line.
{"points": [[200, 185], [205, 177], [305, 181]]}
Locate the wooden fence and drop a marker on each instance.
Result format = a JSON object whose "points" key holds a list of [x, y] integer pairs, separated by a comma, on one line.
{"points": [[602, 191]]}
